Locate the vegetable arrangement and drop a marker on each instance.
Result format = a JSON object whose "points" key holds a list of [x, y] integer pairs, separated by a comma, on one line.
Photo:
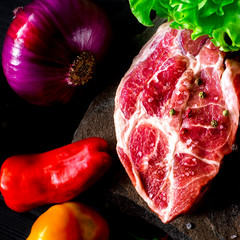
{"points": [[217, 19], [31, 180], [52, 46], [70, 221]]}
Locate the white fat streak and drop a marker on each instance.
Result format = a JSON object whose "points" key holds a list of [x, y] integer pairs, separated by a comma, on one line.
{"points": [[181, 147], [172, 136], [195, 67], [206, 105], [120, 123]]}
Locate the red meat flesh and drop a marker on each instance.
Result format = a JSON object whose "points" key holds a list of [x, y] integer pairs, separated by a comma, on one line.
{"points": [[170, 158]]}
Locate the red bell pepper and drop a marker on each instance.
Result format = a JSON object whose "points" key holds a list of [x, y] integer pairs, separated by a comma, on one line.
{"points": [[30, 180]]}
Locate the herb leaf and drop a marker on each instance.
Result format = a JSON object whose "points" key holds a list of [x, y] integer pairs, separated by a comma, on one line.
{"points": [[141, 9], [217, 19]]}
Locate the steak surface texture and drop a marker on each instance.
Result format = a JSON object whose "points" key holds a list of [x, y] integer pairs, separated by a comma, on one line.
{"points": [[176, 116]]}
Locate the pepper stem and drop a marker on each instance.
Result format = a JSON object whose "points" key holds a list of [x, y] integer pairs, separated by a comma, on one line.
{"points": [[82, 69]]}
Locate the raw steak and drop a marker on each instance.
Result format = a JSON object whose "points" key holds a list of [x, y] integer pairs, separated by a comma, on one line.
{"points": [[176, 116]]}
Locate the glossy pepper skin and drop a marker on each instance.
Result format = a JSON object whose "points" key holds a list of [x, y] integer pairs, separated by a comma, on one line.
{"points": [[31, 180], [70, 221]]}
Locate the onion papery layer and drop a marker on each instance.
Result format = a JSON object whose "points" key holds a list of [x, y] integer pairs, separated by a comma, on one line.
{"points": [[42, 43]]}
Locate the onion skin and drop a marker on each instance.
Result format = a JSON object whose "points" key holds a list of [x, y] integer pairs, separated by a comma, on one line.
{"points": [[42, 42]]}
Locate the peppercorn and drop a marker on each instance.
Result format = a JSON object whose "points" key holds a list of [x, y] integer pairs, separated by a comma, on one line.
{"points": [[172, 112], [202, 94], [214, 123], [198, 81], [225, 112], [183, 131]]}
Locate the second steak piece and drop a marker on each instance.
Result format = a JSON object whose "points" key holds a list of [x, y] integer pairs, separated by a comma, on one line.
{"points": [[176, 116]]}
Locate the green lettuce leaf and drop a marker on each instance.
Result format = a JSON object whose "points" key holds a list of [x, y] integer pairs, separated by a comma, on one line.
{"points": [[219, 19]]}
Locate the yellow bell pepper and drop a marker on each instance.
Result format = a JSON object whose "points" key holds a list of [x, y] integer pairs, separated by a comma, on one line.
{"points": [[70, 221]]}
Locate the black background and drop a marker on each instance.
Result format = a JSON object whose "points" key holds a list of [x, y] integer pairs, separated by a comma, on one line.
{"points": [[25, 128]]}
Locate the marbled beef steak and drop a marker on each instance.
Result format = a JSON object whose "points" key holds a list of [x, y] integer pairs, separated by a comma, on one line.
{"points": [[176, 116]]}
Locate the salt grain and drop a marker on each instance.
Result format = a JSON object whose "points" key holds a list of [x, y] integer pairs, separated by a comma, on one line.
{"points": [[235, 147], [189, 225], [188, 141], [150, 99], [191, 173]]}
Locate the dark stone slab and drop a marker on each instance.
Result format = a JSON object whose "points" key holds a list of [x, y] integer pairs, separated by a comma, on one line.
{"points": [[218, 216]]}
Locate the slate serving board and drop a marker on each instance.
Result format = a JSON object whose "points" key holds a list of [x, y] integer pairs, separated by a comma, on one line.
{"points": [[218, 216]]}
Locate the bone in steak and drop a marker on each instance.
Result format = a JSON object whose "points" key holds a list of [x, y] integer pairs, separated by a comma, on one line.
{"points": [[171, 128]]}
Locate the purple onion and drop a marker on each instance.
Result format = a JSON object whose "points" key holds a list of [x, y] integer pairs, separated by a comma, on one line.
{"points": [[52, 46]]}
